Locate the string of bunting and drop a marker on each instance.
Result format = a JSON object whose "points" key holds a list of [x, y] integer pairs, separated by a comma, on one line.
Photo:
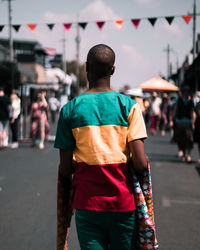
{"points": [[100, 24]]}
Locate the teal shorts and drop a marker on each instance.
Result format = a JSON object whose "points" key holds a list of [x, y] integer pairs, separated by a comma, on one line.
{"points": [[105, 230]]}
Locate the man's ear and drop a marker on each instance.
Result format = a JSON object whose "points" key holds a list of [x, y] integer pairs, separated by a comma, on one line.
{"points": [[112, 70], [87, 66]]}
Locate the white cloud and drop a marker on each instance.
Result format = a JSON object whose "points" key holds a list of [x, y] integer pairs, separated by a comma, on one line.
{"points": [[132, 67], [130, 52], [146, 1], [98, 9], [173, 29]]}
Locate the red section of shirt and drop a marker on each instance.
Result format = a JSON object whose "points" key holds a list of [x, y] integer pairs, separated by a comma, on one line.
{"points": [[106, 187]]}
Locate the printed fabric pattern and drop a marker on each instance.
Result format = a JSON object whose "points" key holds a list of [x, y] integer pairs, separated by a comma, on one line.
{"points": [[146, 238]]}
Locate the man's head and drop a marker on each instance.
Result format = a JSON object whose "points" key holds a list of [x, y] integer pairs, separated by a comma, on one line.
{"points": [[100, 61]]}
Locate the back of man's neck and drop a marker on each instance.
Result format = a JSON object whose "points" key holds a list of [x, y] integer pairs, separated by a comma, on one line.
{"points": [[100, 85]]}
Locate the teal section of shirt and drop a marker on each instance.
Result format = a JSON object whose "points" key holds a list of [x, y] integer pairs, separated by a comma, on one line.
{"points": [[97, 109], [91, 109]]}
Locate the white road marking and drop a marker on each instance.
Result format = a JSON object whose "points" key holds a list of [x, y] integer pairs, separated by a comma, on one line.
{"points": [[157, 164], [1, 189], [191, 202], [168, 203]]}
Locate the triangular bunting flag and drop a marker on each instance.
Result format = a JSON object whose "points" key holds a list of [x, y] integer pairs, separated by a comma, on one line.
{"points": [[32, 26], [82, 25], [50, 25], [100, 24], [136, 22], [67, 26], [187, 18], [152, 20], [1, 27], [16, 27], [169, 19], [119, 23]]}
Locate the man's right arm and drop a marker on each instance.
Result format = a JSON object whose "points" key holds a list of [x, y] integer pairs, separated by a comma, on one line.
{"points": [[138, 157]]}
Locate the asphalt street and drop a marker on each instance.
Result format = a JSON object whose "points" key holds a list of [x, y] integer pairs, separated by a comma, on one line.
{"points": [[28, 197]]}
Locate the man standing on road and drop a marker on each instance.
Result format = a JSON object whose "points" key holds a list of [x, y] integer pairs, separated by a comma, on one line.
{"points": [[4, 119], [104, 130]]}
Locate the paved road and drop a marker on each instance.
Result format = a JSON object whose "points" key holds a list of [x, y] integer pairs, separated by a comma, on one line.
{"points": [[28, 198]]}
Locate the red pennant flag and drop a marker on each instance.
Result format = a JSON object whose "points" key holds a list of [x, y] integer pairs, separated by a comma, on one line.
{"points": [[1, 27], [16, 27], [100, 24], [119, 23], [32, 26], [67, 26], [187, 18], [136, 22], [169, 19]]}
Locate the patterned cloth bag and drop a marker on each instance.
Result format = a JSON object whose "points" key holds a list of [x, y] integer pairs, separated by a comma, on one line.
{"points": [[146, 238]]}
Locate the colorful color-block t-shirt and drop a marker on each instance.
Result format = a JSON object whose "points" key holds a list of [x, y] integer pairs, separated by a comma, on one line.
{"points": [[98, 127]]}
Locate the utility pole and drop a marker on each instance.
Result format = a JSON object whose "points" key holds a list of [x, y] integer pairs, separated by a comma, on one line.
{"points": [[168, 50], [78, 40], [64, 51], [10, 31], [11, 54], [194, 30], [194, 46]]}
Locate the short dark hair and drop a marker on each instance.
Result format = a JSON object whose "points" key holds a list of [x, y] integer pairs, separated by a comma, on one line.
{"points": [[100, 60]]}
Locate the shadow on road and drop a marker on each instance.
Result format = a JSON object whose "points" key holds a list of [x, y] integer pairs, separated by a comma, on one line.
{"points": [[198, 169], [155, 157]]}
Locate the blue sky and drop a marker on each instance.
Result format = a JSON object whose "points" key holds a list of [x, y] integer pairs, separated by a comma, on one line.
{"points": [[139, 52]]}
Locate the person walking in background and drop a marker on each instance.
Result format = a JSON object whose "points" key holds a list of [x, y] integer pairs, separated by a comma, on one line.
{"points": [[15, 108], [146, 113], [54, 105], [100, 127], [39, 122], [197, 123], [155, 113], [184, 123], [4, 119], [164, 113]]}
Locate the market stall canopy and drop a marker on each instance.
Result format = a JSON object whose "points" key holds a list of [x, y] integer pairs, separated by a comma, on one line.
{"points": [[56, 75], [158, 84]]}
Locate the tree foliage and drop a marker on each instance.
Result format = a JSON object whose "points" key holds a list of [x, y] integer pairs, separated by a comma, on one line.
{"points": [[72, 68]]}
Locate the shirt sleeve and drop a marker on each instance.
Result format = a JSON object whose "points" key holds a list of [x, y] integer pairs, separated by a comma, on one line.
{"points": [[64, 137], [136, 128]]}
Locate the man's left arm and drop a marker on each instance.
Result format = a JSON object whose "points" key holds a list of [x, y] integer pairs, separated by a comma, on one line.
{"points": [[64, 197]]}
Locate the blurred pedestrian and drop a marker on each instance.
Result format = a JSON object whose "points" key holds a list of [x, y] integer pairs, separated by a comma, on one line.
{"points": [[54, 105], [164, 113], [39, 122], [4, 119], [146, 104], [155, 113], [171, 116], [15, 108], [184, 123], [197, 123], [100, 126]]}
